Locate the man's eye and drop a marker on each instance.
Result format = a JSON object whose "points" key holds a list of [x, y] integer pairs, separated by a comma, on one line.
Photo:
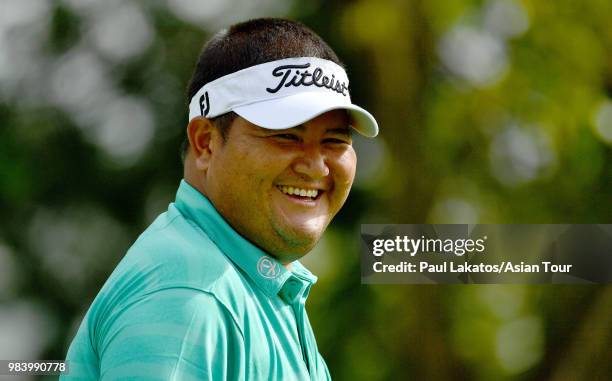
{"points": [[335, 141], [286, 136]]}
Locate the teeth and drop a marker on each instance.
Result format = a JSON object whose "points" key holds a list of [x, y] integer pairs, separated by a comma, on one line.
{"points": [[312, 193]]}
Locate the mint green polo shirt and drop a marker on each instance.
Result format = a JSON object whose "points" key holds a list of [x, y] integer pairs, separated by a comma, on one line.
{"points": [[194, 300]]}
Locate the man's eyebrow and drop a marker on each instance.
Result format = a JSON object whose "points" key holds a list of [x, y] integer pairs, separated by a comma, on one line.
{"points": [[300, 128], [340, 130]]}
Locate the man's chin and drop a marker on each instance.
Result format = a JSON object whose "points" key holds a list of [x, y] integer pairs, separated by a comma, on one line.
{"points": [[300, 239]]}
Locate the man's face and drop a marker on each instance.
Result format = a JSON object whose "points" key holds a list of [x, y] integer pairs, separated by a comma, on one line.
{"points": [[281, 188]]}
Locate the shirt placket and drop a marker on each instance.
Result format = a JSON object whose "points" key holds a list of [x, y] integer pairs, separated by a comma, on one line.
{"points": [[297, 292]]}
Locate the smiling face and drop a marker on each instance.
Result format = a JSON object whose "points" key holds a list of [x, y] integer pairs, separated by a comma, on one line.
{"points": [[281, 188]]}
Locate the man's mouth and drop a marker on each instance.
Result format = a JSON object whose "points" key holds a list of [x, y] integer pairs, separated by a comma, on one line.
{"points": [[303, 193]]}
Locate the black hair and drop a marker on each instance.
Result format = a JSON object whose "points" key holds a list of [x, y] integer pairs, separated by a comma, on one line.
{"points": [[252, 43]]}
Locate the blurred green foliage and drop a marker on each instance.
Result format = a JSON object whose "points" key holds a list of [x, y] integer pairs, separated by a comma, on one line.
{"points": [[490, 111]]}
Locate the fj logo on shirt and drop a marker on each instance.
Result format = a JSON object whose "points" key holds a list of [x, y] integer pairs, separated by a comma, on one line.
{"points": [[268, 268]]}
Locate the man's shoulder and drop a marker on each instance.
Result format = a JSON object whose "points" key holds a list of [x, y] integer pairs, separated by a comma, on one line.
{"points": [[171, 254], [174, 252]]}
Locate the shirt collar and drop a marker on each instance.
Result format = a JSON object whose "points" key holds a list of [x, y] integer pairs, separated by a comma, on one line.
{"points": [[264, 270]]}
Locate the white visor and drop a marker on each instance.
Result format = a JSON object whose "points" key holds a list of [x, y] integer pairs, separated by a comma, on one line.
{"points": [[282, 94]]}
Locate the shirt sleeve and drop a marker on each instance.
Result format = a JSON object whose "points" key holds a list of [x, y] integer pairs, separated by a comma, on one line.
{"points": [[172, 334], [323, 369]]}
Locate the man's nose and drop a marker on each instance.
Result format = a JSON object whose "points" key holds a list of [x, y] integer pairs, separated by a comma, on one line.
{"points": [[311, 163]]}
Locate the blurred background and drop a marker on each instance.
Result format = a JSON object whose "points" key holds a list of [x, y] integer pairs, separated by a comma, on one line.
{"points": [[494, 111]]}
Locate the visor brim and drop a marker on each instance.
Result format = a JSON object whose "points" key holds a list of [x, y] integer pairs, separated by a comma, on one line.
{"points": [[294, 110]]}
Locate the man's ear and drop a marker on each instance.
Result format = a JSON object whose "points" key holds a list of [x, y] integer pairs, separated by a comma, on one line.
{"points": [[200, 132]]}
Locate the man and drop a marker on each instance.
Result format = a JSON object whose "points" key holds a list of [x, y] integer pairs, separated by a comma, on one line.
{"points": [[213, 289]]}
